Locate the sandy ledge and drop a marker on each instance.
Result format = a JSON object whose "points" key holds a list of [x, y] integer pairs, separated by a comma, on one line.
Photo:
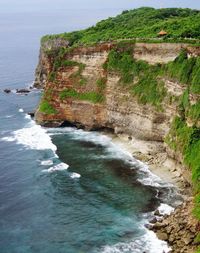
{"points": [[155, 156]]}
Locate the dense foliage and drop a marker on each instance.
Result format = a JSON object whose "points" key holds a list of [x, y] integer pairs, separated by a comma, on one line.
{"points": [[185, 70], [46, 107], [139, 23], [182, 137], [87, 96], [141, 77]]}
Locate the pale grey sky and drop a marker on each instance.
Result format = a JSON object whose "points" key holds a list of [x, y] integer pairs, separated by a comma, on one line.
{"points": [[50, 5]]}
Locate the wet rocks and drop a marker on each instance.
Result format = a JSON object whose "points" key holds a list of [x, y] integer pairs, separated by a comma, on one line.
{"points": [[162, 236], [7, 91], [179, 229], [22, 91], [32, 114]]}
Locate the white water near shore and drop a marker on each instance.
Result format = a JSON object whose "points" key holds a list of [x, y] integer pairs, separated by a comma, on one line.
{"points": [[148, 243], [33, 136]]}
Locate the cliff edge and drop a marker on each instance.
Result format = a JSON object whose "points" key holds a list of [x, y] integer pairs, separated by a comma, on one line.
{"points": [[146, 91]]}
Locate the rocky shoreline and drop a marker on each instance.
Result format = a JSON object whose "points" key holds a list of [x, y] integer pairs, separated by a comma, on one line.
{"points": [[180, 228]]}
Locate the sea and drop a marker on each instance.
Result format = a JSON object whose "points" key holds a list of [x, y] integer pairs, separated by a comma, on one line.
{"points": [[66, 190]]}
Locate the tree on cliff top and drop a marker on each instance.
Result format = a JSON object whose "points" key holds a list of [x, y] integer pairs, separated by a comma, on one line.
{"points": [[144, 22]]}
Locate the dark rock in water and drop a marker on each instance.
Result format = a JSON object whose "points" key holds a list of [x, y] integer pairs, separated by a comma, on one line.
{"points": [[149, 226], [153, 221], [7, 91], [52, 123], [22, 91], [157, 213], [32, 114]]}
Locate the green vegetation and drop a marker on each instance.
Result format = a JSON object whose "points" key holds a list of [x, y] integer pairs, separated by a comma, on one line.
{"points": [[194, 112], [46, 107], [60, 61], [141, 78], [88, 96], [187, 141], [183, 138], [150, 91], [185, 70], [144, 23], [101, 83], [122, 62]]}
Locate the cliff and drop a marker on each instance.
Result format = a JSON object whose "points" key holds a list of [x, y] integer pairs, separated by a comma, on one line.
{"points": [[120, 110], [138, 89]]}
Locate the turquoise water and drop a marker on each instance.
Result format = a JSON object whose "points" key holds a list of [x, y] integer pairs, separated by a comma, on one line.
{"points": [[65, 190]]}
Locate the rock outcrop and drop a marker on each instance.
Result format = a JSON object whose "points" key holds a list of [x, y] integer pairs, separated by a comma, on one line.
{"points": [[179, 229], [82, 93]]}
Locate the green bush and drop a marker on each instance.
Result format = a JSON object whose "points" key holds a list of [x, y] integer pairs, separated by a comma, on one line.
{"points": [[141, 77], [187, 141], [47, 108], [185, 70], [52, 76], [194, 111], [150, 91], [101, 83], [195, 77], [196, 211], [87, 96]]}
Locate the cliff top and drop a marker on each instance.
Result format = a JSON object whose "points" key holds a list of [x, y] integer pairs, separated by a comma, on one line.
{"points": [[181, 25]]}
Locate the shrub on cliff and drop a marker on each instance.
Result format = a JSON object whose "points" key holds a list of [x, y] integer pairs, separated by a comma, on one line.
{"points": [[87, 96], [47, 108]]}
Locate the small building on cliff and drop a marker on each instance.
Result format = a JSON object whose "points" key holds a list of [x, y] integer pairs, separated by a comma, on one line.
{"points": [[162, 33]]}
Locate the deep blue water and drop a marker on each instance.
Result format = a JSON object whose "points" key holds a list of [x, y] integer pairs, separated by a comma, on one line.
{"points": [[64, 190]]}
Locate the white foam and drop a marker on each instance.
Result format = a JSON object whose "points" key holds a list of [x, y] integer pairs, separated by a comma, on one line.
{"points": [[47, 163], [165, 209], [150, 179], [21, 110], [58, 167], [79, 134], [8, 139], [114, 150], [75, 175], [147, 243], [9, 116], [33, 137], [27, 116]]}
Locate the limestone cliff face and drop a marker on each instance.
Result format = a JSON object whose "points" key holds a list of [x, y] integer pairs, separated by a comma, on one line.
{"points": [[120, 110], [81, 92]]}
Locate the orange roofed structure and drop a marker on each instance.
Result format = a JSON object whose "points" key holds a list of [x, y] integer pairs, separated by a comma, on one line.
{"points": [[162, 33]]}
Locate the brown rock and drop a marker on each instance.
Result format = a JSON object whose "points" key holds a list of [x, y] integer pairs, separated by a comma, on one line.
{"points": [[162, 236]]}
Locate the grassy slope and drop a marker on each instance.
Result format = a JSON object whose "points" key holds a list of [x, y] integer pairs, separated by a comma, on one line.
{"points": [[139, 23]]}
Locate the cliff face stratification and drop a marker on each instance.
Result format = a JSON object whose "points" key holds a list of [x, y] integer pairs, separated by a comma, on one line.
{"points": [[141, 90], [120, 110]]}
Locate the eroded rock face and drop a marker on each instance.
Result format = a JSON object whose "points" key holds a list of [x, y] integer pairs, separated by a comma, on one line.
{"points": [[179, 229], [157, 53], [120, 111]]}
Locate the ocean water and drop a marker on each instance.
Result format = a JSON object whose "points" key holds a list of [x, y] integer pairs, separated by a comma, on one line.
{"points": [[64, 190]]}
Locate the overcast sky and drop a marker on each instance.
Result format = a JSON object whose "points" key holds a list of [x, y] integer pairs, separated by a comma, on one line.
{"points": [[50, 5]]}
